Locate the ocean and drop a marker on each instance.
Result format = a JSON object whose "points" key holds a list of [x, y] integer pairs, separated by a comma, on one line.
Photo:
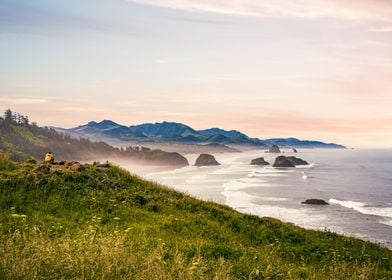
{"points": [[357, 184]]}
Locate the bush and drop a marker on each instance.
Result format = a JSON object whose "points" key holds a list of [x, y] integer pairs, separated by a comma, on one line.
{"points": [[6, 164]]}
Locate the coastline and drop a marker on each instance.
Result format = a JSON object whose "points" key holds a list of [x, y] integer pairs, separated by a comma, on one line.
{"points": [[278, 193]]}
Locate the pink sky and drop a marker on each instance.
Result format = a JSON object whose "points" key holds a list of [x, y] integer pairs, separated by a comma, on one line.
{"points": [[308, 69]]}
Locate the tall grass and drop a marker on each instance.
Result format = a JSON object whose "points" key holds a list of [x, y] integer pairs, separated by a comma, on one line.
{"points": [[108, 224]]}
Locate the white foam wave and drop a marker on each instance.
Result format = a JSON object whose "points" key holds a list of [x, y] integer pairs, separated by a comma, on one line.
{"points": [[266, 198], [386, 222], [302, 217], [364, 208], [310, 165]]}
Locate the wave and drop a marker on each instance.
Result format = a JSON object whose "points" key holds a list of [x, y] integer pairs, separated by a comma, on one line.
{"points": [[364, 208], [386, 222]]}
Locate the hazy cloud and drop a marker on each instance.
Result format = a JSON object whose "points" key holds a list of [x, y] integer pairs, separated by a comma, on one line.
{"points": [[22, 100], [373, 10], [381, 29]]}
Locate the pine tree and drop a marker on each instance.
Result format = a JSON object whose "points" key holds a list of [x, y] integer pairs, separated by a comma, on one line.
{"points": [[8, 115]]}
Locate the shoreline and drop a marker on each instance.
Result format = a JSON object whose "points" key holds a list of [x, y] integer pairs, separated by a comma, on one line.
{"points": [[263, 197]]}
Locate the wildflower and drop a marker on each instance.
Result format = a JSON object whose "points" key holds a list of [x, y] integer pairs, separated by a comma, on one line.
{"points": [[116, 218]]}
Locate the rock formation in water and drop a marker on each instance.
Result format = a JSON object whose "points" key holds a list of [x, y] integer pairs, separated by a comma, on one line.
{"points": [[206, 160], [274, 149], [259, 161], [282, 161], [297, 161], [315, 201]]}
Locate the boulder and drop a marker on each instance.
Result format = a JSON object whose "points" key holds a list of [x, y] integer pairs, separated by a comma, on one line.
{"points": [[76, 166], [297, 161], [315, 201], [206, 160], [274, 149], [259, 161], [282, 161]]}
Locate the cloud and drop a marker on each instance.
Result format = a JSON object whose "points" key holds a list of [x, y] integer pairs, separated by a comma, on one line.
{"points": [[22, 100], [381, 29], [372, 10]]}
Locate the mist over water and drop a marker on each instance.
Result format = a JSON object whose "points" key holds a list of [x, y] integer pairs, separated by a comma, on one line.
{"points": [[356, 183]]}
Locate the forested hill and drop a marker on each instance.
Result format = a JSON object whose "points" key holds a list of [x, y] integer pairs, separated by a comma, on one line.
{"points": [[22, 140]]}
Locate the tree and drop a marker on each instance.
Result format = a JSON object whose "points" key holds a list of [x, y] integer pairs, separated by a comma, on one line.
{"points": [[8, 115]]}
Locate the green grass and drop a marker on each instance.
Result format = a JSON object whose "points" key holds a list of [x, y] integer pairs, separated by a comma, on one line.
{"points": [[108, 224]]}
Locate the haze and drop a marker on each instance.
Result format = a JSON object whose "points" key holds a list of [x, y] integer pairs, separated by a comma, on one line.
{"points": [[313, 70]]}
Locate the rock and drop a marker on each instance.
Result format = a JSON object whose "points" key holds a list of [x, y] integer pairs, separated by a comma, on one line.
{"points": [[206, 160], [274, 149], [295, 150], [297, 161], [159, 157], [282, 161], [315, 201], [103, 165], [76, 166], [259, 161], [44, 168]]}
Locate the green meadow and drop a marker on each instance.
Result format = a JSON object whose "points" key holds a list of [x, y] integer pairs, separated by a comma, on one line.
{"points": [[104, 223]]}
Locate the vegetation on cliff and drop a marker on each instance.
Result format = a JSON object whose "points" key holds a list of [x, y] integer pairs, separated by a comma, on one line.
{"points": [[22, 140]]}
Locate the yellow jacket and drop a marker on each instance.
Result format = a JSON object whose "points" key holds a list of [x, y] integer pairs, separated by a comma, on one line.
{"points": [[48, 157]]}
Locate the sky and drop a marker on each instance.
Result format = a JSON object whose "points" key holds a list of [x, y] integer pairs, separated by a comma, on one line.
{"points": [[311, 69]]}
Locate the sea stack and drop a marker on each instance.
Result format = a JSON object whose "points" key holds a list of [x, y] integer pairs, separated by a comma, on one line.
{"points": [[206, 160], [282, 161], [297, 161], [259, 161], [274, 149]]}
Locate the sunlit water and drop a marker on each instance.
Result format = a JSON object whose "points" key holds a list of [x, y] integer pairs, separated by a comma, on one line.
{"points": [[356, 183]]}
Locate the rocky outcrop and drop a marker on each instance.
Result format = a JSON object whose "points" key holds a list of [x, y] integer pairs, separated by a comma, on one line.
{"points": [[315, 201], [297, 161], [206, 160], [274, 149], [76, 166], [259, 161], [159, 157], [282, 161]]}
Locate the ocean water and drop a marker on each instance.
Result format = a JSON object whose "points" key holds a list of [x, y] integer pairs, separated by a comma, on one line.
{"points": [[356, 183]]}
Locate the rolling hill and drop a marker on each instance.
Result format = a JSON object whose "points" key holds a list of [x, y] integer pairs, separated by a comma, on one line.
{"points": [[25, 141], [103, 223]]}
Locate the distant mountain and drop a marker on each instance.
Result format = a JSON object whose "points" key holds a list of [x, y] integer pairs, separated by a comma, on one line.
{"points": [[107, 129], [297, 143], [165, 130], [181, 133]]}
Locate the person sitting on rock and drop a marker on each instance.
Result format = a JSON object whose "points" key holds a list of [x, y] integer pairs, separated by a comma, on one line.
{"points": [[49, 158]]}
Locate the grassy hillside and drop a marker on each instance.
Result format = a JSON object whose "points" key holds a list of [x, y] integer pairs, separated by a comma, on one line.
{"points": [[25, 141], [103, 223]]}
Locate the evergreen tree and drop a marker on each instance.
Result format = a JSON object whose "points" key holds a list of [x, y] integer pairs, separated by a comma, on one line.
{"points": [[8, 115]]}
